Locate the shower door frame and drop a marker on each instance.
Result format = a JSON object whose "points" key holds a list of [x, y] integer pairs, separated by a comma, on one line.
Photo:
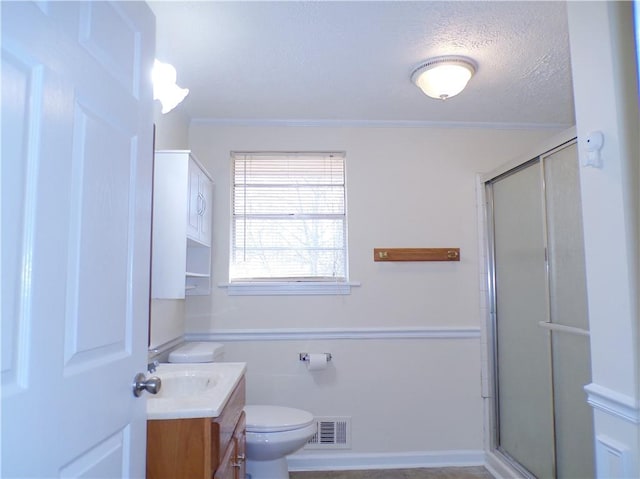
{"points": [[558, 142]]}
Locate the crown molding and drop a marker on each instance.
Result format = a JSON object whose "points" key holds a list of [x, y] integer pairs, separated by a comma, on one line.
{"points": [[309, 123]]}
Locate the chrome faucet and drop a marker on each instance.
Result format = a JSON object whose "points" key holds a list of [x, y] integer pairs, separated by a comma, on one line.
{"points": [[153, 363], [151, 367]]}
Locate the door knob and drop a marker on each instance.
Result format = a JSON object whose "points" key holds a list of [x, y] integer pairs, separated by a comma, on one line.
{"points": [[141, 383]]}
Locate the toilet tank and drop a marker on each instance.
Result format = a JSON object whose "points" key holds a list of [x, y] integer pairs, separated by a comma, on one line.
{"points": [[197, 352]]}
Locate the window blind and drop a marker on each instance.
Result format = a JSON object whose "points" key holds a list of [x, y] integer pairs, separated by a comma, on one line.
{"points": [[289, 217]]}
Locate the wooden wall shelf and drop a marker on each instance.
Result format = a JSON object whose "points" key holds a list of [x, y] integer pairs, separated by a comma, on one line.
{"points": [[416, 254]]}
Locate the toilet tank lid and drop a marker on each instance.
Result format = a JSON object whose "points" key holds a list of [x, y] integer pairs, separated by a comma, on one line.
{"points": [[197, 352], [275, 418]]}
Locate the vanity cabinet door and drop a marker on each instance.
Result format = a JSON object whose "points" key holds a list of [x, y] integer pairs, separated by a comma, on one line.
{"points": [[233, 464], [226, 469], [240, 438]]}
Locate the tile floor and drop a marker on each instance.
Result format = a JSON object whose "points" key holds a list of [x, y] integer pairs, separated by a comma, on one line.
{"points": [[419, 473]]}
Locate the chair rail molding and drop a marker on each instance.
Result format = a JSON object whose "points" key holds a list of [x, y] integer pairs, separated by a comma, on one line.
{"points": [[292, 334], [613, 403]]}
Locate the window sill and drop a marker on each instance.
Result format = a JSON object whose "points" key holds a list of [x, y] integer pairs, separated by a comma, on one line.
{"points": [[288, 288]]}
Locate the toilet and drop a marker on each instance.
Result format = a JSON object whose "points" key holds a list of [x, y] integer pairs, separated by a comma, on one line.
{"points": [[198, 352], [273, 432]]}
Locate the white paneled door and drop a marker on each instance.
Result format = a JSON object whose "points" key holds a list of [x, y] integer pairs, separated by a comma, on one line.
{"points": [[76, 209]]}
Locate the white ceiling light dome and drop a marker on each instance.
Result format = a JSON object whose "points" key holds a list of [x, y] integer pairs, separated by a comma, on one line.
{"points": [[443, 77]]}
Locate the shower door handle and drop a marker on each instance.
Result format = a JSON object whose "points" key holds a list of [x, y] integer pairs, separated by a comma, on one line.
{"points": [[563, 329]]}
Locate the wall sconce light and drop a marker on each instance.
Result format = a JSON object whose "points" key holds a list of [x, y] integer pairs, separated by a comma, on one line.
{"points": [[164, 78], [443, 77]]}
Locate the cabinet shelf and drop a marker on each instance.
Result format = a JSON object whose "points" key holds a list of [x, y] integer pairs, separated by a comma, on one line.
{"points": [[197, 275]]}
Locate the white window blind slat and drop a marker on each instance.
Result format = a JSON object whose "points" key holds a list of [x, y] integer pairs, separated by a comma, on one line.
{"points": [[289, 217]]}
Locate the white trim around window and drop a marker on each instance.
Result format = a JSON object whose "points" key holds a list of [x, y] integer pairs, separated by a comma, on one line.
{"points": [[288, 288]]}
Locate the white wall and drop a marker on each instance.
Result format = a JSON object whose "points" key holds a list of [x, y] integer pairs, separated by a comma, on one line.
{"points": [[605, 73], [168, 315], [407, 187], [172, 129]]}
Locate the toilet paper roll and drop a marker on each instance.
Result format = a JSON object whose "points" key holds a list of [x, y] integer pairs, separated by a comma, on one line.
{"points": [[316, 361]]}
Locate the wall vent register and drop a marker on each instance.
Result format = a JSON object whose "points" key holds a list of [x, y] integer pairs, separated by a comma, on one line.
{"points": [[332, 433]]}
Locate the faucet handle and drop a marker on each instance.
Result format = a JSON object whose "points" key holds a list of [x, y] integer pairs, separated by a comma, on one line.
{"points": [[151, 367]]}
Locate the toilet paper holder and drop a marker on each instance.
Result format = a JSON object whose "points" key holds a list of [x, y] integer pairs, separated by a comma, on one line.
{"points": [[305, 356]]}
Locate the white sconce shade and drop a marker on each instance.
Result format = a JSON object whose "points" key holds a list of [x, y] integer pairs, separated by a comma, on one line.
{"points": [[164, 78], [443, 77]]}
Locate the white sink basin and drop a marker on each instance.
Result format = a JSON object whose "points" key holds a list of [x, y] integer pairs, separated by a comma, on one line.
{"points": [[186, 383], [193, 390]]}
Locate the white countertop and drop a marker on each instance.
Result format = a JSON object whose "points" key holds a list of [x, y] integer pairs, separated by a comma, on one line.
{"points": [[220, 380]]}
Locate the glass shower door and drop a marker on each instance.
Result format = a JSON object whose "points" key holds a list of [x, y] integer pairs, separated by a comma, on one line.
{"points": [[542, 355], [524, 394], [568, 319]]}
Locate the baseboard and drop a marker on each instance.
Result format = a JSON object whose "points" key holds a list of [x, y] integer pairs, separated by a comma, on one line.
{"points": [[351, 461], [499, 468]]}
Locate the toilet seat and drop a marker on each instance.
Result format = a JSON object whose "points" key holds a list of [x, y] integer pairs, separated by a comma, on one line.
{"points": [[276, 418]]}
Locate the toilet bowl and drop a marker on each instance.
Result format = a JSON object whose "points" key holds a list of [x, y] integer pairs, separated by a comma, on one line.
{"points": [[273, 432]]}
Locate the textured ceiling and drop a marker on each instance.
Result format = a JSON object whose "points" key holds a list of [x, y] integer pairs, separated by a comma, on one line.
{"points": [[351, 61]]}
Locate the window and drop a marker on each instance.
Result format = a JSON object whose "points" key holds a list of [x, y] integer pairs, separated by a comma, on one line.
{"points": [[289, 222]]}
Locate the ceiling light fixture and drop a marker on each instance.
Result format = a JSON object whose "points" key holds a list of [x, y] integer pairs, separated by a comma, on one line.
{"points": [[164, 78], [443, 77]]}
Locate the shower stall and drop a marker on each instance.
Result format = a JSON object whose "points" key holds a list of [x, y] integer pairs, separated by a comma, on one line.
{"points": [[539, 331]]}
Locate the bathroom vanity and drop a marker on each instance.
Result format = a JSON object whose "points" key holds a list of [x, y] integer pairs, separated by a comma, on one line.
{"points": [[198, 442]]}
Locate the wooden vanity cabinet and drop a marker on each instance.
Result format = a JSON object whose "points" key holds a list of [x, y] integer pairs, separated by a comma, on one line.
{"points": [[233, 464], [199, 448], [241, 444]]}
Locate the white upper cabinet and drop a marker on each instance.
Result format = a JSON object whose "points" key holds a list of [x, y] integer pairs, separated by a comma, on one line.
{"points": [[181, 249]]}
